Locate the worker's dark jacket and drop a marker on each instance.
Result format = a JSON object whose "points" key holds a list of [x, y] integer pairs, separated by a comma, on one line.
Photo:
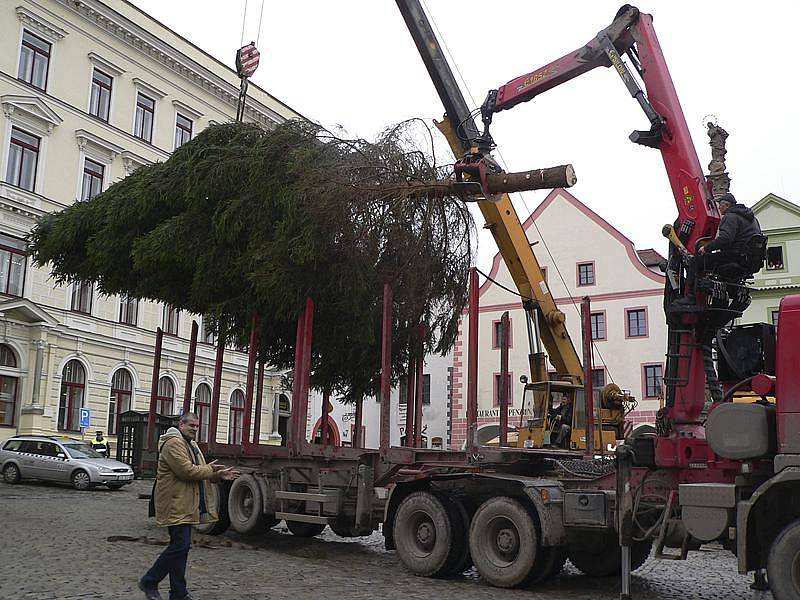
{"points": [[738, 225]]}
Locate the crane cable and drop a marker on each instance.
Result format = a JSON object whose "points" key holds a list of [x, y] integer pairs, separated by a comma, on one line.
{"points": [[244, 21], [521, 195]]}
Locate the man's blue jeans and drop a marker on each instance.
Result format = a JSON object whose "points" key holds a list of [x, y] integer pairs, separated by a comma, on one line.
{"points": [[172, 562]]}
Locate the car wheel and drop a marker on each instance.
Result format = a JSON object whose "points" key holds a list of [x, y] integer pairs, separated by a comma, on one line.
{"points": [[11, 474], [80, 480]]}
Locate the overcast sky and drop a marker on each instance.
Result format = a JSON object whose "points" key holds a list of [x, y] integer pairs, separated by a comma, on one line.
{"points": [[353, 63]]}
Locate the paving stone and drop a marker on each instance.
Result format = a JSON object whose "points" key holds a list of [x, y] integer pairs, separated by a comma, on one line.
{"points": [[54, 547]]}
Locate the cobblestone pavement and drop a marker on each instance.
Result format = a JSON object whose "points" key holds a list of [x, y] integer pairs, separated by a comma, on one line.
{"points": [[54, 546]]}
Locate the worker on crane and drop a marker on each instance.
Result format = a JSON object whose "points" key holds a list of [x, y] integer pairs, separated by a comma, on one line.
{"points": [[737, 251], [737, 227]]}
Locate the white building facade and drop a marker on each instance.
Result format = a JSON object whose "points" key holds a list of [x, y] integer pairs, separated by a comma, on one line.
{"points": [[582, 255], [90, 91], [436, 411]]}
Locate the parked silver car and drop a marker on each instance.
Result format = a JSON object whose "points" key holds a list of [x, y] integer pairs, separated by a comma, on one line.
{"points": [[61, 460]]}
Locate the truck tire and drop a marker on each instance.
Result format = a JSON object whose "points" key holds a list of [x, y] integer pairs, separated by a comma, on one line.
{"points": [[459, 559], [504, 542], [548, 564], [783, 563], [245, 504], [599, 554], [305, 530], [221, 525], [423, 535]]}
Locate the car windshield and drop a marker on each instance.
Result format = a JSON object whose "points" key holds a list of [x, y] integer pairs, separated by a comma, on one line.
{"points": [[81, 451]]}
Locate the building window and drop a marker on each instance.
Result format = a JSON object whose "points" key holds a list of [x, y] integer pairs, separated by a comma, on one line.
{"points": [[120, 399], [170, 321], [12, 271], [586, 273], [92, 179], [145, 112], [165, 400], [8, 388], [128, 310], [496, 395], [100, 97], [653, 381], [598, 379], [636, 322], [23, 158], [202, 408], [773, 315], [598, 320], [236, 418], [183, 130], [426, 390], [775, 258], [73, 386], [496, 332], [34, 58], [82, 297]]}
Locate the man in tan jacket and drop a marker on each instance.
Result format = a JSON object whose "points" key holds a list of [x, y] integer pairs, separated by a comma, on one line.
{"points": [[183, 498]]}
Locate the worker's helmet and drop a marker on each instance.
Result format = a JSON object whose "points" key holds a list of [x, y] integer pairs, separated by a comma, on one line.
{"points": [[99, 433]]}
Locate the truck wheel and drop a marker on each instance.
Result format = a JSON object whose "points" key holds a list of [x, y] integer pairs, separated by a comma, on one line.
{"points": [[221, 525], [503, 542], [305, 530], [548, 564], [343, 527], [599, 554], [11, 474], [423, 534], [459, 559], [245, 506], [783, 563]]}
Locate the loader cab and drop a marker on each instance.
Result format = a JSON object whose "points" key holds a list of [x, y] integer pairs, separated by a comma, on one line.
{"points": [[540, 424]]}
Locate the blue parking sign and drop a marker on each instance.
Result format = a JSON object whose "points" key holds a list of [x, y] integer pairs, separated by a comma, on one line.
{"points": [[84, 417]]}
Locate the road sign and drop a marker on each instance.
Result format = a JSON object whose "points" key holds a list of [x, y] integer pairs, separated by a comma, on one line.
{"points": [[247, 58], [85, 415]]}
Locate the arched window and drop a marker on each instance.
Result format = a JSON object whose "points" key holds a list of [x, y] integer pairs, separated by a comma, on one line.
{"points": [[202, 408], [73, 387], [165, 400], [8, 388], [120, 399], [236, 419]]}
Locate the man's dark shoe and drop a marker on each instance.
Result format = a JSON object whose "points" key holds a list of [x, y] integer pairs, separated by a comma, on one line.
{"points": [[186, 597], [150, 593]]}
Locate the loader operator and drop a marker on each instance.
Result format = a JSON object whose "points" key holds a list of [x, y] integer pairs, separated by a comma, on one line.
{"points": [[561, 418]]}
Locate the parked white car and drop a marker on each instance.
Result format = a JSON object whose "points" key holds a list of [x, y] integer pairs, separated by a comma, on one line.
{"points": [[61, 460]]}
